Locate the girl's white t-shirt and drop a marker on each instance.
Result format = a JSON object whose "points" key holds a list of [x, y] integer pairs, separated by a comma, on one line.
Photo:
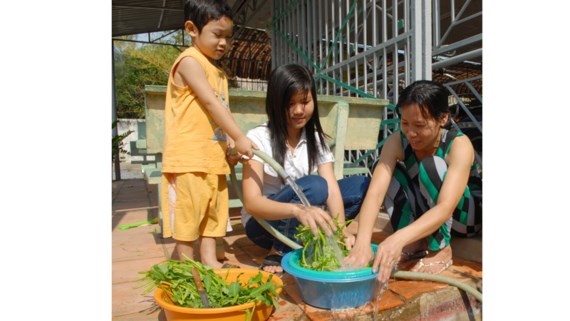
{"points": [[296, 165]]}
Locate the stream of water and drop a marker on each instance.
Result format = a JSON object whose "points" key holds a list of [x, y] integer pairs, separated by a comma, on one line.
{"points": [[381, 287]]}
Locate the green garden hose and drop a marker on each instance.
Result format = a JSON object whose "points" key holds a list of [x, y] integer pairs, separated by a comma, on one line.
{"points": [[262, 222], [408, 275]]}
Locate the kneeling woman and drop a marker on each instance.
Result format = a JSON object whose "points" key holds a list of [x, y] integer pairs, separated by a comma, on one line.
{"points": [[294, 138], [425, 177]]}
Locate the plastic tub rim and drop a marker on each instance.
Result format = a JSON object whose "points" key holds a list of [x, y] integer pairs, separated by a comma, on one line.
{"points": [[159, 293], [325, 276]]}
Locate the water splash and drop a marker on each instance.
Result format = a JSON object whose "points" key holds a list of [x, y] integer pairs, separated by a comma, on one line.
{"points": [[380, 288], [339, 310], [344, 314]]}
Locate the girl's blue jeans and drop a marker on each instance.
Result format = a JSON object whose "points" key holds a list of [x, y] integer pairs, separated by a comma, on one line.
{"points": [[353, 190]]}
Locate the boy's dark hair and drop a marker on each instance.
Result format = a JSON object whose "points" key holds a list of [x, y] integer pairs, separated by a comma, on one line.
{"points": [[200, 12], [432, 98], [284, 82]]}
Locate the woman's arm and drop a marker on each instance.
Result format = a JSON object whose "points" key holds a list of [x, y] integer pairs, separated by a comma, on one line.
{"points": [[361, 254], [261, 207]]}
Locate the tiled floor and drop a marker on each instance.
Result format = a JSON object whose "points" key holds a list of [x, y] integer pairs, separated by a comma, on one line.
{"points": [[137, 249]]}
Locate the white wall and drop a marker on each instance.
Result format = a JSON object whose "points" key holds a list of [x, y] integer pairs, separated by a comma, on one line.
{"points": [[124, 125]]}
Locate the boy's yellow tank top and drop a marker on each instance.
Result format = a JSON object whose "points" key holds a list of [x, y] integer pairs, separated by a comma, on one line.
{"points": [[193, 142]]}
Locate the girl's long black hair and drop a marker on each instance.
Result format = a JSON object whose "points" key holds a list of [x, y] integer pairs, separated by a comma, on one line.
{"points": [[284, 82]]}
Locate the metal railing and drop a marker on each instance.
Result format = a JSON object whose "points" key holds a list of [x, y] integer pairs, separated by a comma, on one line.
{"points": [[374, 48]]}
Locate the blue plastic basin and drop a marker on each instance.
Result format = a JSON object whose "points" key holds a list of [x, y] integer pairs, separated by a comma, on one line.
{"points": [[331, 290]]}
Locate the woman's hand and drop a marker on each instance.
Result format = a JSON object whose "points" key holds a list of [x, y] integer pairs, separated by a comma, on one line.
{"points": [[359, 256], [387, 256], [315, 217]]}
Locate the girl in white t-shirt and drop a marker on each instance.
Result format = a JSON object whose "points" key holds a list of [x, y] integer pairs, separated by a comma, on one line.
{"points": [[293, 136]]}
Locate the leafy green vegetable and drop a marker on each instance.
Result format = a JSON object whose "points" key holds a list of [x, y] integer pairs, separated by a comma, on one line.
{"points": [[322, 253], [175, 278]]}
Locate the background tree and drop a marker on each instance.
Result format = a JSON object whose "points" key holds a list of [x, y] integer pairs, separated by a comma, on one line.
{"points": [[137, 65]]}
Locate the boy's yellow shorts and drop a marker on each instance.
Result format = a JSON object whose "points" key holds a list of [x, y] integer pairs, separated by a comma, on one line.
{"points": [[193, 205]]}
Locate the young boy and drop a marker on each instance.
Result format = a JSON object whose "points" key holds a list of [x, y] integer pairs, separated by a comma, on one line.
{"points": [[197, 117]]}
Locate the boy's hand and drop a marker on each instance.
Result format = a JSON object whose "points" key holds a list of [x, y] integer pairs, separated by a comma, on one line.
{"points": [[244, 145], [232, 157], [231, 144]]}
